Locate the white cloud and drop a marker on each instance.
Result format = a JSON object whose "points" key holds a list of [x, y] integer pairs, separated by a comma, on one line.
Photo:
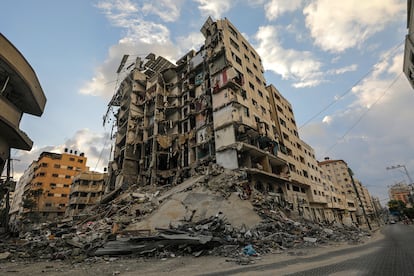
{"points": [[343, 70], [380, 137], [191, 41], [300, 66], [338, 25], [167, 10], [214, 8], [96, 147], [142, 37], [327, 119], [274, 8]]}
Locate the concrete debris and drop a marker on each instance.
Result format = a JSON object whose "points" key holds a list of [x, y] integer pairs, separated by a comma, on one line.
{"points": [[245, 223]]}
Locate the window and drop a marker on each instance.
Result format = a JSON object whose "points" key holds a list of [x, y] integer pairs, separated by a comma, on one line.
{"points": [[64, 195], [258, 80], [55, 175], [80, 160], [44, 165], [234, 44], [42, 174], [53, 185], [50, 194], [249, 71], [260, 93], [279, 108], [70, 168], [56, 166], [233, 32], [67, 176], [245, 46], [251, 85], [254, 102], [246, 111], [66, 185], [238, 60], [263, 109], [71, 159], [246, 58], [48, 204], [253, 55]]}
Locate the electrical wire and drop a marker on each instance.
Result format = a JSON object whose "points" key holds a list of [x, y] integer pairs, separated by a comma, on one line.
{"points": [[350, 89], [363, 114]]}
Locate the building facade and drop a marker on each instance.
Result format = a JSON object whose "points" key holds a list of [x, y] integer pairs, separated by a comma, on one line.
{"points": [[20, 93], [338, 173], [400, 191], [47, 194]]}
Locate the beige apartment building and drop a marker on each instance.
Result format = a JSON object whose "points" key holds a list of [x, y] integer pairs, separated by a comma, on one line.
{"points": [[86, 190], [214, 106], [338, 172]]}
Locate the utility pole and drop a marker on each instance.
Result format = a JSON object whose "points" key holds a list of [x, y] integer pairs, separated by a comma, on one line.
{"points": [[6, 187], [359, 198]]}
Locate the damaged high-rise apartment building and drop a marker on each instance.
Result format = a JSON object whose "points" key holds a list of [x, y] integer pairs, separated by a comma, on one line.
{"points": [[212, 106]]}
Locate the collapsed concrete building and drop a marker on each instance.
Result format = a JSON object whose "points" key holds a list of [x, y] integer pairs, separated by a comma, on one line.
{"points": [[213, 106]]}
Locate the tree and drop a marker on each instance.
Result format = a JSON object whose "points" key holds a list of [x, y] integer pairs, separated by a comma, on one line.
{"points": [[396, 207]]}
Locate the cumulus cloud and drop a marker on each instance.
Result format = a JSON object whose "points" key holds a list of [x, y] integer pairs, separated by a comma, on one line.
{"points": [[191, 41], [96, 147], [141, 38], [327, 119], [343, 70], [274, 8], [167, 10], [338, 25], [214, 8], [300, 66], [375, 124]]}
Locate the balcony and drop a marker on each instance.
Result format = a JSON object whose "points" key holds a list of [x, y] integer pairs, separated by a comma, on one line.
{"points": [[22, 85]]}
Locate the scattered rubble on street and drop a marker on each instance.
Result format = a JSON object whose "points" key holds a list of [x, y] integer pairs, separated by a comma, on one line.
{"points": [[205, 215]]}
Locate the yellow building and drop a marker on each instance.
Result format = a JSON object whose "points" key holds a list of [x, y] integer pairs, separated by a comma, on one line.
{"points": [[400, 191], [50, 186]]}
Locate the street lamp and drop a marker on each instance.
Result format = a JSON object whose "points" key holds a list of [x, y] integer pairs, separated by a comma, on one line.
{"points": [[405, 169]]}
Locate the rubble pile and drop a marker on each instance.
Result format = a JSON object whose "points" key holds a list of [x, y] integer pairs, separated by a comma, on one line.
{"points": [[108, 229]]}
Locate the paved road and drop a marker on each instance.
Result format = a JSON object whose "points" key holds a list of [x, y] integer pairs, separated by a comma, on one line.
{"points": [[392, 255]]}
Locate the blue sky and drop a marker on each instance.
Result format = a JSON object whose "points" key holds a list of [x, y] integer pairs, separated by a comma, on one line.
{"points": [[313, 51]]}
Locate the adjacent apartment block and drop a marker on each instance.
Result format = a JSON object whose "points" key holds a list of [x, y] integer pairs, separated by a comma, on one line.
{"points": [[86, 190]]}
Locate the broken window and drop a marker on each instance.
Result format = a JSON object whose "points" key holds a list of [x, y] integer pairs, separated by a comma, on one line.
{"points": [[234, 44]]}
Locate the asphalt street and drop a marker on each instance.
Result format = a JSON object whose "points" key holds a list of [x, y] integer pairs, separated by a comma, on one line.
{"points": [[391, 255]]}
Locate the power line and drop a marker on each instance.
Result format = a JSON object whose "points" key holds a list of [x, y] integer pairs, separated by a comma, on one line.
{"points": [[350, 89], [363, 114]]}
